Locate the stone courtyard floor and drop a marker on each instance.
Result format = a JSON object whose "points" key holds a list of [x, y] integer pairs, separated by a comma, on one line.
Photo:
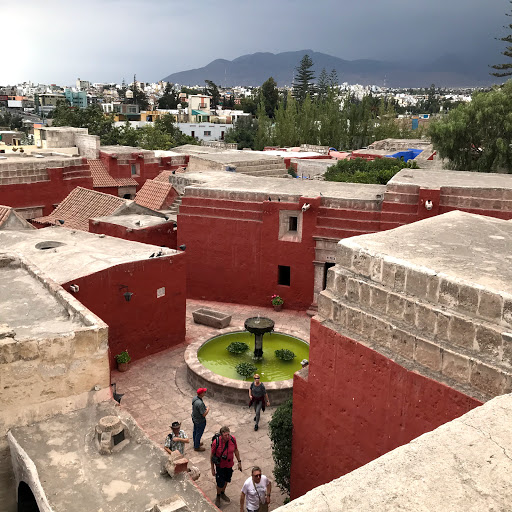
{"points": [[157, 393]]}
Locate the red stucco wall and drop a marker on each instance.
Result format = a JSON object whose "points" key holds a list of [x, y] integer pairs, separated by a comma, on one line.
{"points": [[162, 234], [234, 253], [146, 324], [356, 406], [61, 182]]}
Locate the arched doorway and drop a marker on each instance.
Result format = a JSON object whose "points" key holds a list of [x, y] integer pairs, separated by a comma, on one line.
{"points": [[26, 500]]}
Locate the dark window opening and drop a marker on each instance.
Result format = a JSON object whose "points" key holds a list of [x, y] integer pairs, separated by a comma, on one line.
{"points": [[26, 499], [127, 196], [283, 275], [117, 438], [292, 223], [327, 266]]}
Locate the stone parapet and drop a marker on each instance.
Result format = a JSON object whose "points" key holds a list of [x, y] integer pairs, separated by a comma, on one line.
{"points": [[459, 330]]}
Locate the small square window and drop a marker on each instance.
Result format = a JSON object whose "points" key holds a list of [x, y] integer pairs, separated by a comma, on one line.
{"points": [[283, 275], [207, 133], [292, 223]]}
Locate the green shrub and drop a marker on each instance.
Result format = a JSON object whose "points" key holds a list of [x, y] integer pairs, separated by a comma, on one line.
{"points": [[123, 357], [280, 433], [237, 347], [292, 172], [284, 354], [378, 171], [246, 369]]}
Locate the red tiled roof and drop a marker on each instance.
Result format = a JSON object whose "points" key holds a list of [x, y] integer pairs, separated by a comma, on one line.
{"points": [[154, 195], [81, 205], [164, 175], [101, 177], [4, 213]]}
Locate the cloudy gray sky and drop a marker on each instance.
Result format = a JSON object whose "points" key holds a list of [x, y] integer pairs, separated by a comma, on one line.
{"points": [[56, 41]]}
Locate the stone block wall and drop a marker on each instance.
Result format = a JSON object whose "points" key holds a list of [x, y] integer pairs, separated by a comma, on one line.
{"points": [[458, 330], [88, 145]]}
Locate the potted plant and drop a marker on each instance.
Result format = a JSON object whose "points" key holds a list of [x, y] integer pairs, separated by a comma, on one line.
{"points": [[277, 302], [122, 360]]}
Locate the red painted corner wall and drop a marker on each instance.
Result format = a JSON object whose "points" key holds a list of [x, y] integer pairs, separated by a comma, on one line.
{"points": [[356, 406], [162, 234], [146, 324]]}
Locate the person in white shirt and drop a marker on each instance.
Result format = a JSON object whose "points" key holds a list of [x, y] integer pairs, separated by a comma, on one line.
{"points": [[256, 490]]}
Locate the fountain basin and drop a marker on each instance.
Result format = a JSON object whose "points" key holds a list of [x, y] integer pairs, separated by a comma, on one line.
{"points": [[235, 390]]}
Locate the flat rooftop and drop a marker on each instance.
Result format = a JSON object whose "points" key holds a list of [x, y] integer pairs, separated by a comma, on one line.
{"points": [[39, 157], [28, 308], [134, 221], [465, 246], [77, 254], [76, 477], [233, 182], [441, 178], [234, 156]]}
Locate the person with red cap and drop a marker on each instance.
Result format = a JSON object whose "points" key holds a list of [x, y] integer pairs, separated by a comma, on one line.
{"points": [[199, 412]]}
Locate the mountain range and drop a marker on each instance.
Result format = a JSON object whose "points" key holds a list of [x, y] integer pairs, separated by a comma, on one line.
{"points": [[252, 70]]}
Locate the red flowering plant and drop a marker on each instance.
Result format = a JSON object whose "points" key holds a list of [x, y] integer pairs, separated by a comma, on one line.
{"points": [[276, 300]]}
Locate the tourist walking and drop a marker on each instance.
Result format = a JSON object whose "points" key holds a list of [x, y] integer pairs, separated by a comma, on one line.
{"points": [[224, 447], [256, 490], [176, 439], [199, 412], [258, 396]]}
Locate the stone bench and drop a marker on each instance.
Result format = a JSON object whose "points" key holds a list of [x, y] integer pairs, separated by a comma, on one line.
{"points": [[211, 318]]}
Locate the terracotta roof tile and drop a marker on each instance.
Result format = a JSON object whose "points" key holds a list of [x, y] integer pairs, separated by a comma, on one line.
{"points": [[164, 175], [81, 205], [101, 177], [154, 195], [4, 213]]}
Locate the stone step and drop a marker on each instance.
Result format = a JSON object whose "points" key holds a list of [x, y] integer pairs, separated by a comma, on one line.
{"points": [[421, 317], [479, 377], [265, 173]]}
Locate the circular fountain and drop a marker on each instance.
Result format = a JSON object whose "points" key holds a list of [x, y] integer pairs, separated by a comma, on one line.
{"points": [[210, 365]]}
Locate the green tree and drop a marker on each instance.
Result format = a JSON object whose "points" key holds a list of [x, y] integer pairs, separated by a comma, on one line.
{"points": [[308, 122], [151, 137], [477, 136], [286, 132], [323, 85], [91, 118], [243, 132], [333, 78], [378, 171], [212, 90], [166, 124], [169, 99], [303, 81], [249, 105], [270, 96], [264, 131], [506, 68], [280, 433]]}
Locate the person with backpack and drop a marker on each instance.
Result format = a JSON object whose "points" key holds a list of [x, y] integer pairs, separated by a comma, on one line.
{"points": [[199, 412], [224, 447], [258, 396]]}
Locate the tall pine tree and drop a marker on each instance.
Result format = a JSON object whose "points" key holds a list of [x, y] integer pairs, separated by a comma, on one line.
{"points": [[505, 69], [303, 81]]}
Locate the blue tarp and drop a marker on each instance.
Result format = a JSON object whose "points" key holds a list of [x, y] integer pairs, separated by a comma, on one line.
{"points": [[406, 155]]}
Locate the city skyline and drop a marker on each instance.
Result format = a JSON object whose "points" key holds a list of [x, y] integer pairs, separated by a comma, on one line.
{"points": [[106, 41]]}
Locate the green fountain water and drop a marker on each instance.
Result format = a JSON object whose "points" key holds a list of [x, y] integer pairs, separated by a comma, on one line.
{"points": [[214, 356]]}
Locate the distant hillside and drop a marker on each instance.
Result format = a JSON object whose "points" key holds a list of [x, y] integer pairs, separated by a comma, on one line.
{"points": [[254, 69]]}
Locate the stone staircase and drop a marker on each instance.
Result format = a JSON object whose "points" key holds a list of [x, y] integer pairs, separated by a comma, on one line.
{"points": [[269, 167], [174, 208], [431, 323]]}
